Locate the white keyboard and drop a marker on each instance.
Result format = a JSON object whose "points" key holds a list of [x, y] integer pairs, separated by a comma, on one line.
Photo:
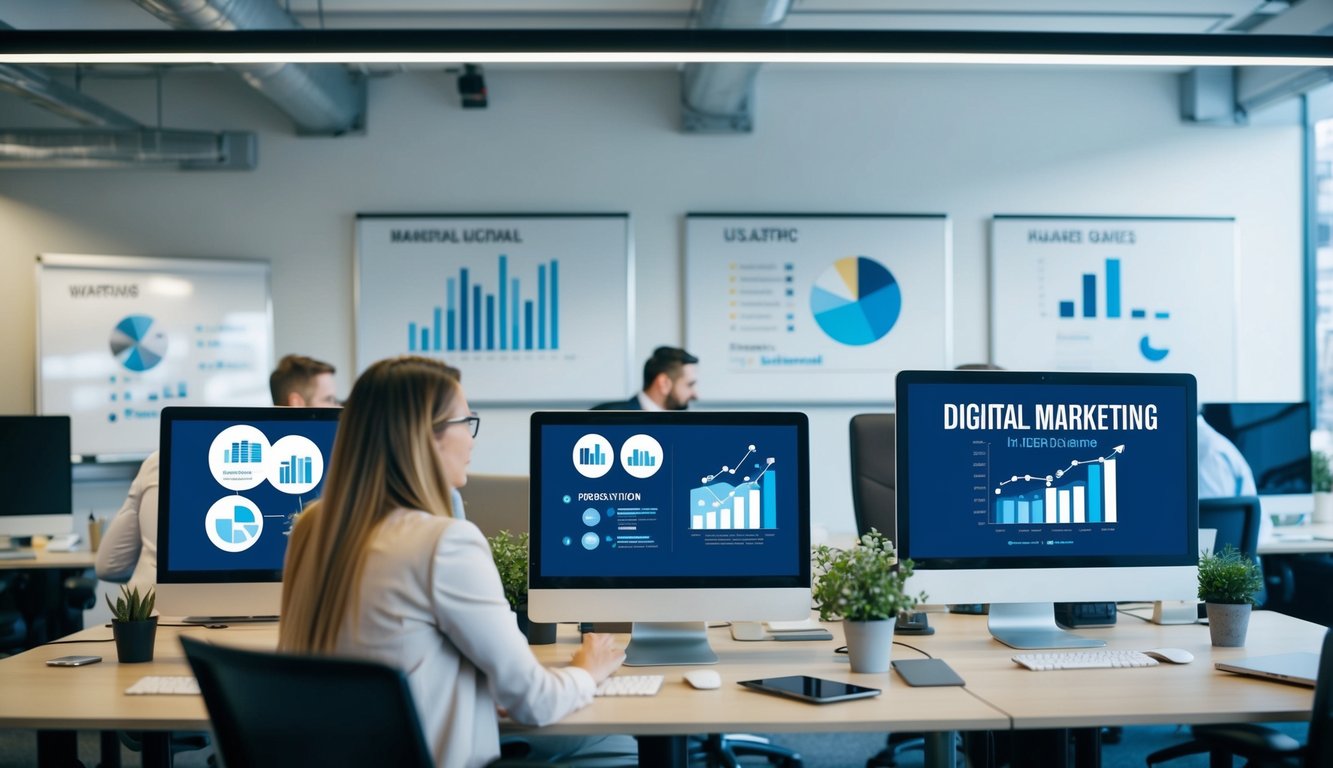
{"points": [[170, 684], [1102, 659], [630, 685]]}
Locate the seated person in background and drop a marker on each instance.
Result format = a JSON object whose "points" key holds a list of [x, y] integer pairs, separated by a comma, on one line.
{"points": [[128, 550], [670, 377], [379, 569], [1224, 472]]}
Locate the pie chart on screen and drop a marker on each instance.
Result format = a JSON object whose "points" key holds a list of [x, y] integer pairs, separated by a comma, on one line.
{"points": [[856, 301], [138, 343]]}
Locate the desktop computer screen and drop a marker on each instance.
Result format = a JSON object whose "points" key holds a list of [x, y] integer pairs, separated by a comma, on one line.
{"points": [[35, 473], [669, 517], [232, 482], [1274, 438], [1034, 488]]}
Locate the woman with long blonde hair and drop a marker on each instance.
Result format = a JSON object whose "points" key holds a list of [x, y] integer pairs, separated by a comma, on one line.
{"points": [[380, 569]]}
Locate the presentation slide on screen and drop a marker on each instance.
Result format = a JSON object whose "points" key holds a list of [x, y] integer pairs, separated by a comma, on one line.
{"points": [[669, 501], [1023, 470], [236, 490]]}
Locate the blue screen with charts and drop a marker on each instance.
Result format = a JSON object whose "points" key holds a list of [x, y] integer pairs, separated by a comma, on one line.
{"points": [[995, 466], [625, 497], [233, 483]]}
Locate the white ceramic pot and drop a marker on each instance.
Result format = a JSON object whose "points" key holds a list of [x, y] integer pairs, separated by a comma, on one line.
{"points": [[1228, 624], [869, 644], [1323, 507]]}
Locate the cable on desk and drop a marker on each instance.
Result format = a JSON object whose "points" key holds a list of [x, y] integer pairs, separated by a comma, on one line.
{"points": [[64, 642], [843, 649]]}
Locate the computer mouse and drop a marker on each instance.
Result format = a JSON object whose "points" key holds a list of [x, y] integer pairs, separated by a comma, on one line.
{"points": [[1173, 655], [703, 679]]}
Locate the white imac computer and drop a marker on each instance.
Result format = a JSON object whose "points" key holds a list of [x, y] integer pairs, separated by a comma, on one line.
{"points": [[1025, 489], [1274, 438], [35, 473], [669, 520], [232, 483]]}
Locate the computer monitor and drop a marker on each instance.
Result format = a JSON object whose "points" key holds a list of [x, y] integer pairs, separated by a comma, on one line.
{"points": [[1274, 438], [1025, 489], [668, 520], [232, 483], [35, 473]]}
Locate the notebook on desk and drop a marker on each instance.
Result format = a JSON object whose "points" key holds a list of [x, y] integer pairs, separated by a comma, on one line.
{"points": [[1298, 668]]}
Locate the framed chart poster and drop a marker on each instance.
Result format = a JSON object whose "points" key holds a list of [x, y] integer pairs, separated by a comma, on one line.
{"points": [[120, 337], [1104, 293], [797, 308], [533, 307]]}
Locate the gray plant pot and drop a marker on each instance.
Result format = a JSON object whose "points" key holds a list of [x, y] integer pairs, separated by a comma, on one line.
{"points": [[869, 644], [1228, 624]]}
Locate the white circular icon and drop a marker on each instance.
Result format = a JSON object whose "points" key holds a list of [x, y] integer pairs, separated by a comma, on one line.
{"points": [[641, 456], [592, 456], [233, 523], [295, 464], [238, 456], [590, 540]]}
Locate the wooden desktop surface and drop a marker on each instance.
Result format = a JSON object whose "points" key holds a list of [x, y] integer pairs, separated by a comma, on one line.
{"points": [[92, 697], [44, 560], [1310, 538]]}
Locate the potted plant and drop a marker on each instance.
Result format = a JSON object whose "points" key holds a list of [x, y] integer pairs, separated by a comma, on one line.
{"points": [[510, 553], [1228, 583], [864, 586], [133, 625], [1323, 487]]}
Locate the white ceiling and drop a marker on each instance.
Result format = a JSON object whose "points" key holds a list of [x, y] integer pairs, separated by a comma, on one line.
{"points": [[1160, 16]]}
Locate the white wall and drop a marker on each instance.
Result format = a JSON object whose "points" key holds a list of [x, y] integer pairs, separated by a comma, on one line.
{"points": [[969, 143]]}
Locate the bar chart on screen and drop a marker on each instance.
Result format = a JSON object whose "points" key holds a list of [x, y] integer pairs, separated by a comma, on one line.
{"points": [[1082, 491], [750, 504]]}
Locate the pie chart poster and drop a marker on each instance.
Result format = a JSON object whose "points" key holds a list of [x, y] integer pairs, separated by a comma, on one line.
{"points": [[1116, 294], [121, 337], [793, 308]]}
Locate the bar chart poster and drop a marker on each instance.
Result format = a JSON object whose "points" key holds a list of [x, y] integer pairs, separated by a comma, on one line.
{"points": [[785, 308], [1116, 294], [121, 337], [531, 307]]}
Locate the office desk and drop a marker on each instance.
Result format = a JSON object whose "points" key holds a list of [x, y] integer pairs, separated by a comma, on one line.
{"points": [[999, 695], [77, 560], [41, 598], [1310, 538]]}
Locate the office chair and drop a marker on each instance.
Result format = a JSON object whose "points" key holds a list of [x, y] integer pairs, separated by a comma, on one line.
{"points": [[496, 503], [1236, 520], [1261, 746]]}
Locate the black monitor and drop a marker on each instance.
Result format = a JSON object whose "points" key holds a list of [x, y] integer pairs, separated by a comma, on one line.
{"points": [[35, 473], [232, 482], [1274, 438]]}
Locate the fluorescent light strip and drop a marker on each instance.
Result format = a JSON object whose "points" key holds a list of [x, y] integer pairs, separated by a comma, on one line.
{"points": [[665, 57]]}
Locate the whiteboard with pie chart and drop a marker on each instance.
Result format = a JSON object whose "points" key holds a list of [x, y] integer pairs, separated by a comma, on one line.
{"points": [[121, 337], [815, 308]]}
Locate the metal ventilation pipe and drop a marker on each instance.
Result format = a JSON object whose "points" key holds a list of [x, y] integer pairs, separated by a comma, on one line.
{"points": [[93, 148], [720, 97], [324, 99], [38, 87]]}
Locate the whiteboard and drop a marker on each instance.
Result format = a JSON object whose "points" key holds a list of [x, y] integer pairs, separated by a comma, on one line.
{"points": [[120, 337], [793, 308], [1117, 294], [532, 307]]}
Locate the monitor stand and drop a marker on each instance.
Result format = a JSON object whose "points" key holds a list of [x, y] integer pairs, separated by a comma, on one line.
{"points": [[1032, 625], [653, 643]]}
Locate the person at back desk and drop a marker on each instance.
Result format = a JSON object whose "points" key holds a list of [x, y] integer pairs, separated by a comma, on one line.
{"points": [[670, 379], [380, 569], [128, 551]]}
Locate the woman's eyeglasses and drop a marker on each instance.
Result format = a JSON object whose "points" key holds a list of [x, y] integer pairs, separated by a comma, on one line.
{"points": [[473, 421]]}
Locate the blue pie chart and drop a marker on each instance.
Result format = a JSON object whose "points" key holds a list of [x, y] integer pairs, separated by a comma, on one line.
{"points": [[856, 301], [242, 527], [137, 344]]}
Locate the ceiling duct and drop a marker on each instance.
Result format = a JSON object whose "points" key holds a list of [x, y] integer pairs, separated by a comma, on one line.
{"points": [[719, 98], [39, 88], [93, 148], [322, 99]]}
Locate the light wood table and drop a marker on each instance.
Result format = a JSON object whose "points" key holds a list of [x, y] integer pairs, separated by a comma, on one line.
{"points": [[1310, 538], [999, 695], [76, 560]]}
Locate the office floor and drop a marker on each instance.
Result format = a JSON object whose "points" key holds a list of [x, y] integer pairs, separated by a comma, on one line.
{"points": [[843, 750]]}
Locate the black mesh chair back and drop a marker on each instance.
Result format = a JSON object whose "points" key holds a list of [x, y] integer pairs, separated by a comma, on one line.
{"points": [[280, 710], [874, 467], [1236, 519]]}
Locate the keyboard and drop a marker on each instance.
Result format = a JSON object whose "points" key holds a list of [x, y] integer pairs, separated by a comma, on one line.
{"points": [[630, 685], [168, 684], [17, 554], [1101, 659]]}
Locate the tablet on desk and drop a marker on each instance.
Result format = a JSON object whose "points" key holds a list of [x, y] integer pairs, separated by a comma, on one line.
{"points": [[815, 690]]}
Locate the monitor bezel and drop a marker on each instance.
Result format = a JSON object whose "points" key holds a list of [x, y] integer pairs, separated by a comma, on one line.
{"points": [[58, 497], [906, 379], [237, 415], [649, 419]]}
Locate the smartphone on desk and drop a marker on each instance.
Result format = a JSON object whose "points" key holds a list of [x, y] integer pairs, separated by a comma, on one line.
{"points": [[72, 661], [815, 690]]}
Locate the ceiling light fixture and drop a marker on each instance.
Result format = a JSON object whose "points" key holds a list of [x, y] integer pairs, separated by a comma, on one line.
{"points": [[603, 46]]}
